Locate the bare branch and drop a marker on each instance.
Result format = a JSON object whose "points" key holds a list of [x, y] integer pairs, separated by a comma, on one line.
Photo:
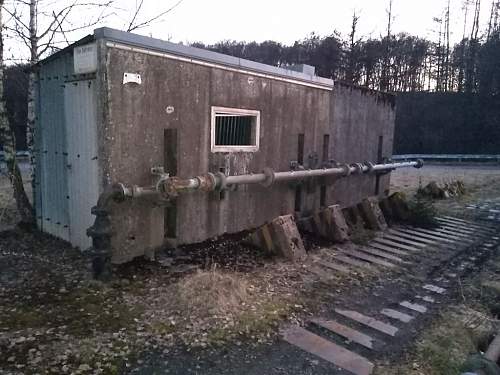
{"points": [[136, 13], [16, 17], [152, 19]]}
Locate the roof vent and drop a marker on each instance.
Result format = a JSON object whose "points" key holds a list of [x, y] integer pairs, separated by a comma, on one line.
{"points": [[303, 68]]}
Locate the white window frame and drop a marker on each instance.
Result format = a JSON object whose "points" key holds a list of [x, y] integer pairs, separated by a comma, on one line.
{"points": [[235, 111]]}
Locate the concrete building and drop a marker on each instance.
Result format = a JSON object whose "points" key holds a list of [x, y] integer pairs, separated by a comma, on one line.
{"points": [[113, 105]]}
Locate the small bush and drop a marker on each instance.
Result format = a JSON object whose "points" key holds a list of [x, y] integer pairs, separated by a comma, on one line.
{"points": [[422, 212]]}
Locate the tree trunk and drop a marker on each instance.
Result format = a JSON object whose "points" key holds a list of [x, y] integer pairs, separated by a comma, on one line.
{"points": [[8, 141]]}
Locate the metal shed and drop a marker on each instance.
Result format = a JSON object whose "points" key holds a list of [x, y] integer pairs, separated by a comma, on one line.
{"points": [[113, 105]]}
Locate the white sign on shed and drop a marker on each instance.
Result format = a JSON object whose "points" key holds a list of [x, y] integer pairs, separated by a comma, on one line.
{"points": [[85, 58]]}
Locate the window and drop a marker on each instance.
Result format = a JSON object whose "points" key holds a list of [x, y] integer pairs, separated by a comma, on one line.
{"points": [[235, 130]]}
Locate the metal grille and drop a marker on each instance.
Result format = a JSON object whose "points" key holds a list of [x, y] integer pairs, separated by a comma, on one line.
{"points": [[233, 130]]}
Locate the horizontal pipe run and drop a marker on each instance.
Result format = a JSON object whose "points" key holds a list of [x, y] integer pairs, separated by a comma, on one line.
{"points": [[169, 187]]}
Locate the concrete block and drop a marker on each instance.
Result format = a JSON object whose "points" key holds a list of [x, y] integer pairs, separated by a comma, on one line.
{"points": [[281, 237], [331, 224], [372, 214]]}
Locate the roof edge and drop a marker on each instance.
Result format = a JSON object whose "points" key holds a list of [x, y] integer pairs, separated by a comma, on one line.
{"points": [[160, 45]]}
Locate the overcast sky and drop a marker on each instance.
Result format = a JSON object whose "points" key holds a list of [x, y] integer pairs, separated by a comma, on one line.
{"points": [[287, 21], [210, 21]]}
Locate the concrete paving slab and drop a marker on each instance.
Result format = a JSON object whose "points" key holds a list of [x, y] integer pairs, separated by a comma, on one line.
{"points": [[461, 230], [346, 332], [440, 236], [404, 240], [465, 228], [426, 299], [388, 249], [368, 258], [434, 288], [369, 321], [468, 227], [354, 262], [327, 350], [469, 224], [395, 244], [413, 237], [414, 306], [458, 234], [394, 314], [380, 253]]}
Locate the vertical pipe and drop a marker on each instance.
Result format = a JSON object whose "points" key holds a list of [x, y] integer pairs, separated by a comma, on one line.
{"points": [[170, 164], [379, 160], [300, 160], [300, 149], [326, 147], [325, 157]]}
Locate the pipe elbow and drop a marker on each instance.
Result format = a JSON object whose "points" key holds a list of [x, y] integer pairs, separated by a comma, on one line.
{"points": [[420, 164]]}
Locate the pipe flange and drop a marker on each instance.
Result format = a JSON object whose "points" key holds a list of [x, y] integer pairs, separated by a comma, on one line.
{"points": [[358, 167], [207, 182], [168, 189], [270, 177], [221, 181], [346, 169], [420, 163], [370, 166]]}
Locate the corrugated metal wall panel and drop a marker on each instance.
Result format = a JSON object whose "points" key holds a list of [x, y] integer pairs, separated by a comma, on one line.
{"points": [[37, 196], [81, 126], [51, 137]]}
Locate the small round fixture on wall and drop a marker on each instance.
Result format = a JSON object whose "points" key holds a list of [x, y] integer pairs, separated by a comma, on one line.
{"points": [[169, 110]]}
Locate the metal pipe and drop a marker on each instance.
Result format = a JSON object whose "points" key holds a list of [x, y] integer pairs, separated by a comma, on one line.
{"points": [[170, 187]]}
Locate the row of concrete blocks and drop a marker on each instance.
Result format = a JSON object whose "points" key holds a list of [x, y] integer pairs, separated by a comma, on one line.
{"points": [[282, 237]]}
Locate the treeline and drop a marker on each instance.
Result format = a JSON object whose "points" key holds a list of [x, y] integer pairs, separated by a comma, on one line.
{"points": [[394, 63]]}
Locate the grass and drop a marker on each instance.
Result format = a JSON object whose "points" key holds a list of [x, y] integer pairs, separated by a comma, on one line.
{"points": [[443, 348], [82, 311]]}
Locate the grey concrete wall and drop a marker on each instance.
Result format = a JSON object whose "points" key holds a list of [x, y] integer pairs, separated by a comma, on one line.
{"points": [[133, 137], [360, 117]]}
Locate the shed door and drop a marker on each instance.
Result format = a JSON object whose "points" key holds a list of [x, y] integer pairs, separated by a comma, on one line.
{"points": [[81, 123]]}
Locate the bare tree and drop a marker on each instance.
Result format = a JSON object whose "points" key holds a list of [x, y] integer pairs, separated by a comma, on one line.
{"points": [[384, 74], [7, 139], [470, 77], [446, 62], [493, 21], [352, 60]]}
